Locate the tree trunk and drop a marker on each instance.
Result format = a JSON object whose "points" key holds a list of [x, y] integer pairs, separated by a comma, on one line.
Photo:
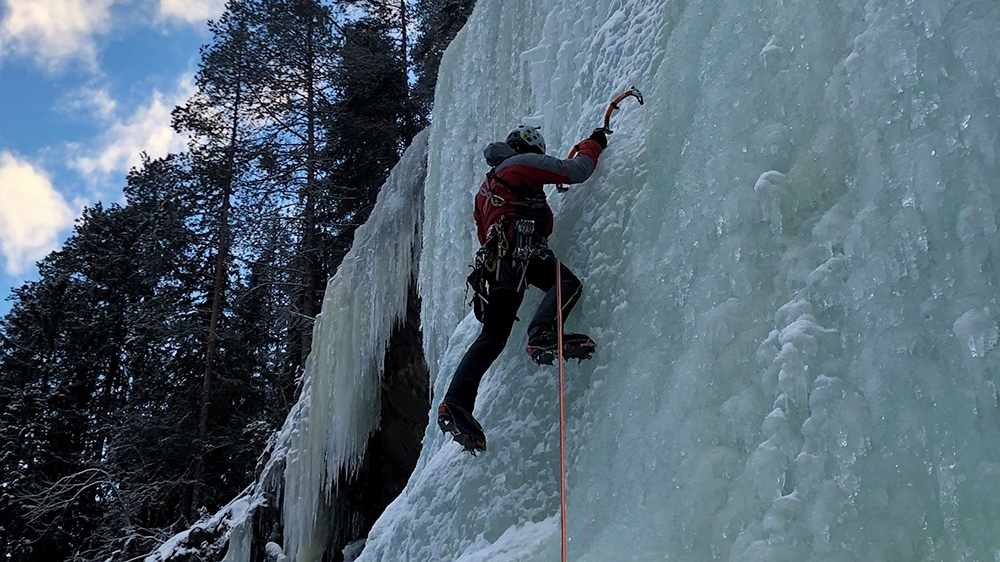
{"points": [[309, 250], [213, 323], [408, 117]]}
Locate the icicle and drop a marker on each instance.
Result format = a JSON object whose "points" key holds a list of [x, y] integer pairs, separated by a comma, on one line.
{"points": [[362, 305]]}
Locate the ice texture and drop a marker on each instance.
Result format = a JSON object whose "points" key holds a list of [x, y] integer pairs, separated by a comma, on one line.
{"points": [[788, 257], [274, 553]]}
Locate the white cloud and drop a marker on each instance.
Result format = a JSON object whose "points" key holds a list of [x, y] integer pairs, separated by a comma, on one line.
{"points": [[147, 130], [95, 101], [54, 32], [191, 11], [32, 214]]}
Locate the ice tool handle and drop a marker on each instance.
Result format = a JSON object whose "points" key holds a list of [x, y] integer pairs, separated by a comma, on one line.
{"points": [[631, 92]]}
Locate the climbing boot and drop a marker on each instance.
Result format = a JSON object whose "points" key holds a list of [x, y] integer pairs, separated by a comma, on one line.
{"points": [[464, 428], [543, 347]]}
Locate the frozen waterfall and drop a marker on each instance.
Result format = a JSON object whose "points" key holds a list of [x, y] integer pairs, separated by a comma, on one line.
{"points": [[789, 262], [790, 266]]}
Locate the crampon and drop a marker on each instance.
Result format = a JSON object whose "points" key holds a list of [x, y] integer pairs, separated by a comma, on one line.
{"points": [[575, 346], [464, 428]]}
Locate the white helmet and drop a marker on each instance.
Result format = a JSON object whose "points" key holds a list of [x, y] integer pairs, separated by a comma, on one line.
{"points": [[526, 139]]}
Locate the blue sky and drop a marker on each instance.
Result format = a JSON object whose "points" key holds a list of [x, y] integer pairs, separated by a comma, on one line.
{"points": [[85, 87]]}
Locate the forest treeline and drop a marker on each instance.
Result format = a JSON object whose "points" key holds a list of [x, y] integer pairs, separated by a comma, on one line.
{"points": [[144, 372]]}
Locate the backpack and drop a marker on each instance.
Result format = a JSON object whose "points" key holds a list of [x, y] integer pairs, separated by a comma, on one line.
{"points": [[498, 200]]}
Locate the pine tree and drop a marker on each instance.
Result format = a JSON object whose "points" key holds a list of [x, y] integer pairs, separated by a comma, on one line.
{"points": [[396, 20], [222, 145], [102, 327], [295, 46], [365, 130], [43, 421]]}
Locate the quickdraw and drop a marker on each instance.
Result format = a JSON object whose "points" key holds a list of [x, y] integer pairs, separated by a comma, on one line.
{"points": [[497, 260], [495, 236], [525, 243], [526, 246], [487, 266], [612, 107]]}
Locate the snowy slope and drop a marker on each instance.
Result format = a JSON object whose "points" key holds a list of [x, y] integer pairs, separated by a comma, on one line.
{"points": [[788, 258]]}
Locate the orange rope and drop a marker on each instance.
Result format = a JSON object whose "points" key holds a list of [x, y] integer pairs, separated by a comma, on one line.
{"points": [[562, 417]]}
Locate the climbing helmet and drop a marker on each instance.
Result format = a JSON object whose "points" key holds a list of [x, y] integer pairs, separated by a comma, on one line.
{"points": [[526, 139]]}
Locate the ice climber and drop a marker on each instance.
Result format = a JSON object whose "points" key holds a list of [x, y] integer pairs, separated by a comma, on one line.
{"points": [[513, 222]]}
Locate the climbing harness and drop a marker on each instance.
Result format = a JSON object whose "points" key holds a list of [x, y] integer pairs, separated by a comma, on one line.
{"points": [[612, 107], [502, 263]]}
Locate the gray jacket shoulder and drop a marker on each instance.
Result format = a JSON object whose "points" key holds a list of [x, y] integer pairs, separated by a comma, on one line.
{"points": [[570, 170]]}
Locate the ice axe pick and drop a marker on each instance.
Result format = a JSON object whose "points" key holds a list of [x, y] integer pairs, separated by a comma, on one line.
{"points": [[631, 92]]}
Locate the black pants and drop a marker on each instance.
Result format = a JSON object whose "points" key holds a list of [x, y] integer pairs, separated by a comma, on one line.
{"points": [[498, 320]]}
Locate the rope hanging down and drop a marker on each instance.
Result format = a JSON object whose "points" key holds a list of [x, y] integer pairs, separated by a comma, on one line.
{"points": [[631, 92], [562, 416]]}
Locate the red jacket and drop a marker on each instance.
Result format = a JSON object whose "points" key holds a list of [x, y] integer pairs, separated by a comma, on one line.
{"points": [[517, 190]]}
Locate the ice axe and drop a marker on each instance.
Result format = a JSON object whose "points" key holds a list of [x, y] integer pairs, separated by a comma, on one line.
{"points": [[634, 92]]}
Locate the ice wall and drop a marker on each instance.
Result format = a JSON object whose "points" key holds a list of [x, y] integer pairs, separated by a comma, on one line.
{"points": [[789, 265], [339, 406]]}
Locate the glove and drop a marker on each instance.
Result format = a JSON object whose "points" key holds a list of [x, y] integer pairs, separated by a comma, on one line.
{"points": [[600, 136]]}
